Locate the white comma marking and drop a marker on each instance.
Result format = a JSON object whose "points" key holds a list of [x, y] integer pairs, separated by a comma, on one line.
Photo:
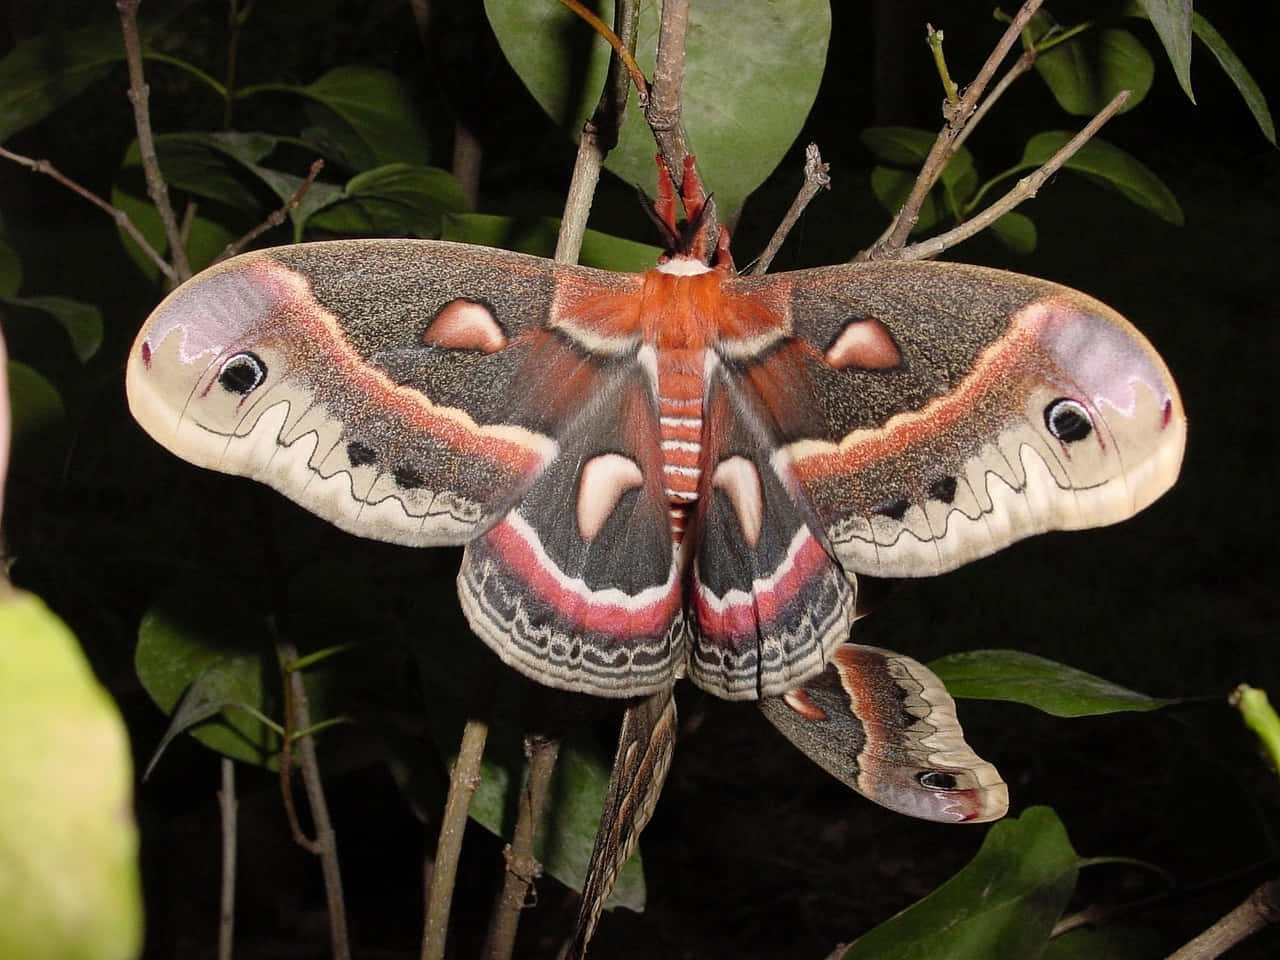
{"points": [[740, 481], [602, 483]]}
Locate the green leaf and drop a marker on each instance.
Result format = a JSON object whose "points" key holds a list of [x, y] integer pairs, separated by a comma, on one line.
{"points": [[206, 238], [35, 409], [1085, 72], [538, 236], [1004, 903], [891, 187], [393, 200], [41, 74], [752, 70], [10, 270], [908, 147], [1044, 684], [1110, 165], [1239, 75], [1111, 942], [1260, 717], [379, 121], [1016, 231], [1172, 20], [225, 653], [82, 321], [69, 876]]}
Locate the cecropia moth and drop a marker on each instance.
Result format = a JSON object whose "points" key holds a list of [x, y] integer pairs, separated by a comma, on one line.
{"points": [[675, 473]]}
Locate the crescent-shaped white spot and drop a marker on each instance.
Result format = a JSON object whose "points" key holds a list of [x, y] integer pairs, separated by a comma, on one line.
{"points": [[865, 344], [603, 481], [465, 325], [740, 481]]}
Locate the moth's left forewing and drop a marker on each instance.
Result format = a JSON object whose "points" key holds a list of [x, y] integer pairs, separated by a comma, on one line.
{"points": [[957, 409]]}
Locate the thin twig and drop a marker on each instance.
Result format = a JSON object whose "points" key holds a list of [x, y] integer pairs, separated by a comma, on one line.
{"points": [[890, 243], [522, 868], [463, 780], [815, 178], [1023, 190], [276, 217], [325, 845], [1261, 909], [236, 18], [622, 49], [139, 93], [599, 136], [467, 156], [227, 898], [1020, 66], [119, 216]]}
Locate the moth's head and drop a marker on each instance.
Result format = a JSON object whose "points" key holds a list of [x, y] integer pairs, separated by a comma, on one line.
{"points": [[206, 356]]}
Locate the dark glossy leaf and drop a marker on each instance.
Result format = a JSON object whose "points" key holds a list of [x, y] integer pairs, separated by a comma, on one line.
{"points": [[10, 270], [538, 236], [1106, 943], [1110, 165], [68, 840], [1085, 72], [81, 321], [226, 654], [1004, 903], [376, 108], [1172, 20], [1016, 231], [393, 200], [1239, 74], [41, 74], [206, 238], [1044, 684], [36, 411], [752, 70], [909, 146], [891, 188]]}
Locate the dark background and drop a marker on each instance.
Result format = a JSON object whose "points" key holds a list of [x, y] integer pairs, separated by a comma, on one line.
{"points": [[753, 852]]}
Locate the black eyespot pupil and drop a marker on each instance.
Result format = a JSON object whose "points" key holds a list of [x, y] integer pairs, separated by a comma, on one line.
{"points": [[243, 373], [936, 780], [1067, 420]]}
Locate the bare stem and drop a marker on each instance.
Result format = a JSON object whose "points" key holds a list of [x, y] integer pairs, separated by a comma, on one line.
{"points": [[622, 50], [522, 868], [463, 780], [119, 216], [227, 899], [276, 217], [139, 93], [325, 845], [1020, 66], [956, 116], [599, 136], [1024, 190], [815, 178], [1260, 910], [467, 154]]}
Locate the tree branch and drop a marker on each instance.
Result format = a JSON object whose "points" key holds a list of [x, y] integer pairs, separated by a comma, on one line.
{"points": [[1260, 910], [227, 897], [463, 780], [890, 243], [119, 216], [599, 136], [325, 844], [139, 93], [815, 178], [522, 868], [1023, 190], [276, 217]]}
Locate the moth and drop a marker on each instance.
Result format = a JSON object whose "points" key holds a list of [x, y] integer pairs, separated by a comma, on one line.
{"points": [[679, 473]]}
